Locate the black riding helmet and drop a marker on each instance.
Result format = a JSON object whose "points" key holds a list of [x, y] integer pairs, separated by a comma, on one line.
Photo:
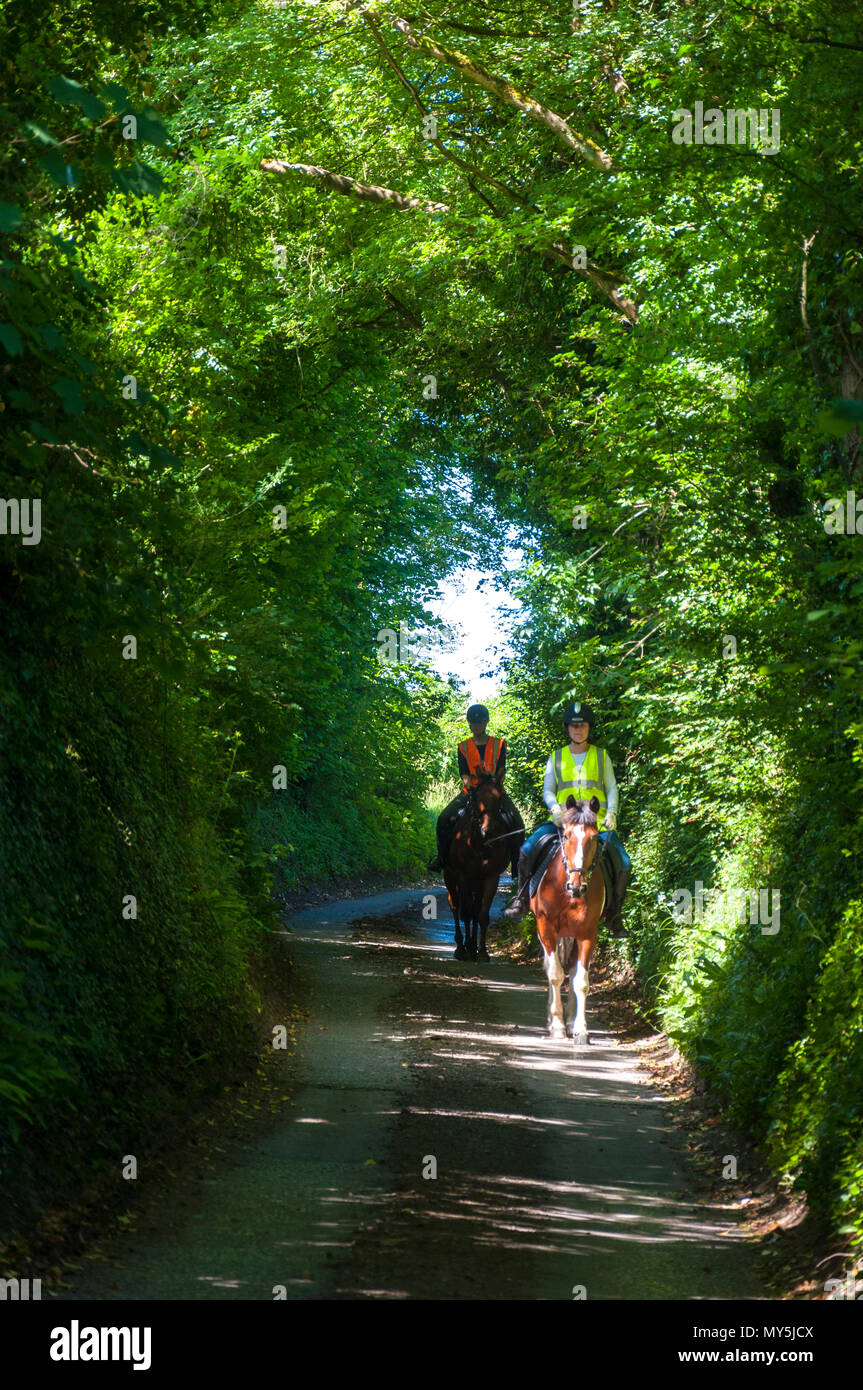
{"points": [[476, 714], [577, 712]]}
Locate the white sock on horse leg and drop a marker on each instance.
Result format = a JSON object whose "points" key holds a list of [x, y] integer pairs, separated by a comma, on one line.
{"points": [[581, 985], [554, 971]]}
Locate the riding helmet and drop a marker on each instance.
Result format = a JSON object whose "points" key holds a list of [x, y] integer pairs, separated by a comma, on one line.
{"points": [[476, 714], [578, 712]]}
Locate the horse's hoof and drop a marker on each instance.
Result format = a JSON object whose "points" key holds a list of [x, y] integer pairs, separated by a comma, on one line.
{"points": [[557, 1031], [460, 953], [483, 955], [471, 955], [580, 1040]]}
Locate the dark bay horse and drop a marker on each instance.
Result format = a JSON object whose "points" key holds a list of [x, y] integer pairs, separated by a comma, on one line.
{"points": [[567, 907], [481, 848]]}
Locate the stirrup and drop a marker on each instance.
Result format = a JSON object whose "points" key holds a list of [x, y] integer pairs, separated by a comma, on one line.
{"points": [[614, 923], [518, 908]]}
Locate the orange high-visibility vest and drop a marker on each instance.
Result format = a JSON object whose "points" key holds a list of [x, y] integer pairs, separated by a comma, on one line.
{"points": [[485, 761]]}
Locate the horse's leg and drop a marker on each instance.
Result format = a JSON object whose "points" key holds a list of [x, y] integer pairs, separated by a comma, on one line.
{"points": [[569, 960], [581, 985], [581, 980], [475, 919], [471, 927], [554, 971], [459, 952], [489, 890], [466, 905]]}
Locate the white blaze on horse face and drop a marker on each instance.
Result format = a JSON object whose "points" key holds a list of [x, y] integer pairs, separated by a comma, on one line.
{"points": [[578, 862], [579, 857]]}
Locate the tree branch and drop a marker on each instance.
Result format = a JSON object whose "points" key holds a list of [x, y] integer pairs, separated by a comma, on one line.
{"points": [[639, 642], [375, 193], [482, 33], [415, 97], [796, 38], [341, 183], [813, 356], [499, 87], [595, 552], [402, 309], [602, 279]]}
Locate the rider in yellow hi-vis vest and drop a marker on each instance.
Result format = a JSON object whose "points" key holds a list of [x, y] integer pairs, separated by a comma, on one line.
{"points": [[581, 769], [581, 780]]}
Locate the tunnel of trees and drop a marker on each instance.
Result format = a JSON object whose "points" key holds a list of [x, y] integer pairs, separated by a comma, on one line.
{"points": [[306, 305]]}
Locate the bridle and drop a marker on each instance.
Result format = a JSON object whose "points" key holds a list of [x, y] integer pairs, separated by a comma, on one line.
{"points": [[476, 813], [571, 871], [475, 818]]}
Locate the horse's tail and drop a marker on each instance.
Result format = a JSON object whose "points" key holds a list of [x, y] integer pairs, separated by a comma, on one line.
{"points": [[567, 947]]}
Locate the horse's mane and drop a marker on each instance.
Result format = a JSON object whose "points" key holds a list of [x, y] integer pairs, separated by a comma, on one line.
{"points": [[580, 814]]}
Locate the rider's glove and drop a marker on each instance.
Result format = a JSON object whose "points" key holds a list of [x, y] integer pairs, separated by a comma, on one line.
{"points": [[610, 821], [557, 814]]}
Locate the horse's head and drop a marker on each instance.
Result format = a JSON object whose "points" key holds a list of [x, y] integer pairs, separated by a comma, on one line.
{"points": [[580, 844], [486, 798]]}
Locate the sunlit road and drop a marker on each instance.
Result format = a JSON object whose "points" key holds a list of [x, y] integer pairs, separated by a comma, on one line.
{"points": [[554, 1168]]}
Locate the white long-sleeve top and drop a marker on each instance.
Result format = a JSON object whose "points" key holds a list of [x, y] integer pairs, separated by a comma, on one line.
{"points": [[549, 783]]}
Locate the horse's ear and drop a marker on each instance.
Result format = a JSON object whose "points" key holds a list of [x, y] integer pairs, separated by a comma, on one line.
{"points": [[571, 803], [594, 804]]}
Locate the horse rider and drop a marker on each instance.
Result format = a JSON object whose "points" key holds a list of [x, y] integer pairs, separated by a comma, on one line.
{"points": [[477, 754], [581, 769]]}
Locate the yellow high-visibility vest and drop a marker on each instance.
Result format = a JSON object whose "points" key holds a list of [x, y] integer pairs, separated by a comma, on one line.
{"points": [[581, 782]]}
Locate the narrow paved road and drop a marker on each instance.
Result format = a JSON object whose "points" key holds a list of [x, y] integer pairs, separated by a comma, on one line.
{"points": [[555, 1168]]}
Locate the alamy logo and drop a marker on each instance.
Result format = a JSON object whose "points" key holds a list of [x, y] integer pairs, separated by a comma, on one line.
{"points": [[764, 905], [20, 1290], [17, 518], [844, 516], [77, 1343], [407, 648], [732, 127]]}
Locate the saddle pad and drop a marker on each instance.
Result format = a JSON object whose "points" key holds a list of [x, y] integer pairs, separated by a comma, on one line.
{"points": [[547, 853]]}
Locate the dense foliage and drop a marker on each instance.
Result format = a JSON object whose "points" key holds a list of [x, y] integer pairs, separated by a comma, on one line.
{"points": [[414, 278], [197, 497]]}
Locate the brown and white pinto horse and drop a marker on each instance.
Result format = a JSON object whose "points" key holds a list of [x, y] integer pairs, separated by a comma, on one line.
{"points": [[480, 850], [567, 908]]}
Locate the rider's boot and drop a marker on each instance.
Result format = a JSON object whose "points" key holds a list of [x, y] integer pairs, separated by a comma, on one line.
{"points": [[616, 891], [437, 864], [613, 920], [519, 905]]}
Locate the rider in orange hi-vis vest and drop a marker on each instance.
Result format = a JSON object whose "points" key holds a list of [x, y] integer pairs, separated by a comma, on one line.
{"points": [[477, 754]]}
